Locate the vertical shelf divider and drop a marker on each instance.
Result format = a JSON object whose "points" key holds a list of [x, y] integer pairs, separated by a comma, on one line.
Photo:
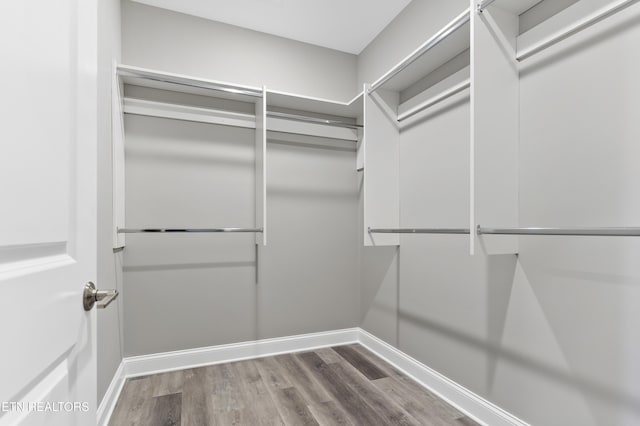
{"points": [[261, 168], [381, 156], [117, 152], [494, 127]]}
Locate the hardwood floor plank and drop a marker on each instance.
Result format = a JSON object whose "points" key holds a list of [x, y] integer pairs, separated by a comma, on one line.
{"points": [[197, 407], [330, 413], [328, 355], [384, 366], [354, 405], [466, 421], [134, 405], [302, 379], [225, 392], [420, 406], [259, 406], [167, 383], [387, 409], [166, 411], [292, 407], [272, 373], [426, 395], [365, 366]]}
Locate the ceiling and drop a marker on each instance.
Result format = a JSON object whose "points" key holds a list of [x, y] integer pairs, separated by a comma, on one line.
{"points": [[346, 25]]}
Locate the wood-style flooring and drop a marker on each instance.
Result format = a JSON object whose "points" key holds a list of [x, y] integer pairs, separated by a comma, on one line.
{"points": [[344, 385]]}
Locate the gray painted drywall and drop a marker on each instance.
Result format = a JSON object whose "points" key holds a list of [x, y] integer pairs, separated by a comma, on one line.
{"points": [[174, 42], [550, 335], [109, 351], [578, 145], [189, 291]]}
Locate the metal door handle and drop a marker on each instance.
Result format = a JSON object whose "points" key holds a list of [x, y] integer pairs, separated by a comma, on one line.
{"points": [[92, 296]]}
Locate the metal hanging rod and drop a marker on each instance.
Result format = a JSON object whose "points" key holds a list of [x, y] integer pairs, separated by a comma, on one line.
{"points": [[484, 4], [445, 32], [314, 120], [587, 232], [435, 100], [575, 28], [186, 81], [181, 230], [420, 231]]}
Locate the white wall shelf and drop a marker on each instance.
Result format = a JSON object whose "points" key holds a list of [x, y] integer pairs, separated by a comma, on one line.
{"points": [[514, 7], [227, 118], [447, 43], [575, 18], [351, 109], [250, 110], [145, 77], [127, 75]]}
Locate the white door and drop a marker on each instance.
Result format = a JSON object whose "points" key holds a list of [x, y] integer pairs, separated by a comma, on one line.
{"points": [[47, 211]]}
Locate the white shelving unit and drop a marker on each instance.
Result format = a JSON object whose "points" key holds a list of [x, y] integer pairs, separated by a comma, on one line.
{"points": [[273, 114]]}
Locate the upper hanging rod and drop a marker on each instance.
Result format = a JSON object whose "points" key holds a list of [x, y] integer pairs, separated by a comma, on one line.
{"points": [[445, 32], [314, 120], [575, 28], [436, 99], [484, 4], [590, 232], [186, 81], [194, 230], [420, 231]]}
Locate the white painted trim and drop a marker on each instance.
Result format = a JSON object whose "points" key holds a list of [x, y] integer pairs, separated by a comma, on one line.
{"points": [[108, 403], [472, 405], [178, 360], [463, 399]]}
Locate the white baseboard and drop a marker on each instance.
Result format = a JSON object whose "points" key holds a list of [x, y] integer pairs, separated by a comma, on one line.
{"points": [[472, 405], [178, 360], [108, 403], [466, 401]]}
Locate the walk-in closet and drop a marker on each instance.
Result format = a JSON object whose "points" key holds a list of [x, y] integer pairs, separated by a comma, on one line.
{"points": [[305, 212]]}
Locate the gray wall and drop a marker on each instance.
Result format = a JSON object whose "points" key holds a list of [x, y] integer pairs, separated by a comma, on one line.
{"points": [[549, 336], [174, 42], [189, 291], [581, 296], [109, 264], [192, 291]]}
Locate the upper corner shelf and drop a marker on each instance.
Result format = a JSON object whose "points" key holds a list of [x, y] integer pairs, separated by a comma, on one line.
{"points": [[181, 83], [515, 7], [352, 108], [447, 43]]}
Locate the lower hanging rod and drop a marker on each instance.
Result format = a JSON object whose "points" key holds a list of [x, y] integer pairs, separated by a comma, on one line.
{"points": [[182, 230], [586, 232], [419, 231]]}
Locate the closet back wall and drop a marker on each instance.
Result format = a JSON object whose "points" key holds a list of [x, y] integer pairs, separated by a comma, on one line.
{"points": [[174, 42], [190, 291], [187, 291]]}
